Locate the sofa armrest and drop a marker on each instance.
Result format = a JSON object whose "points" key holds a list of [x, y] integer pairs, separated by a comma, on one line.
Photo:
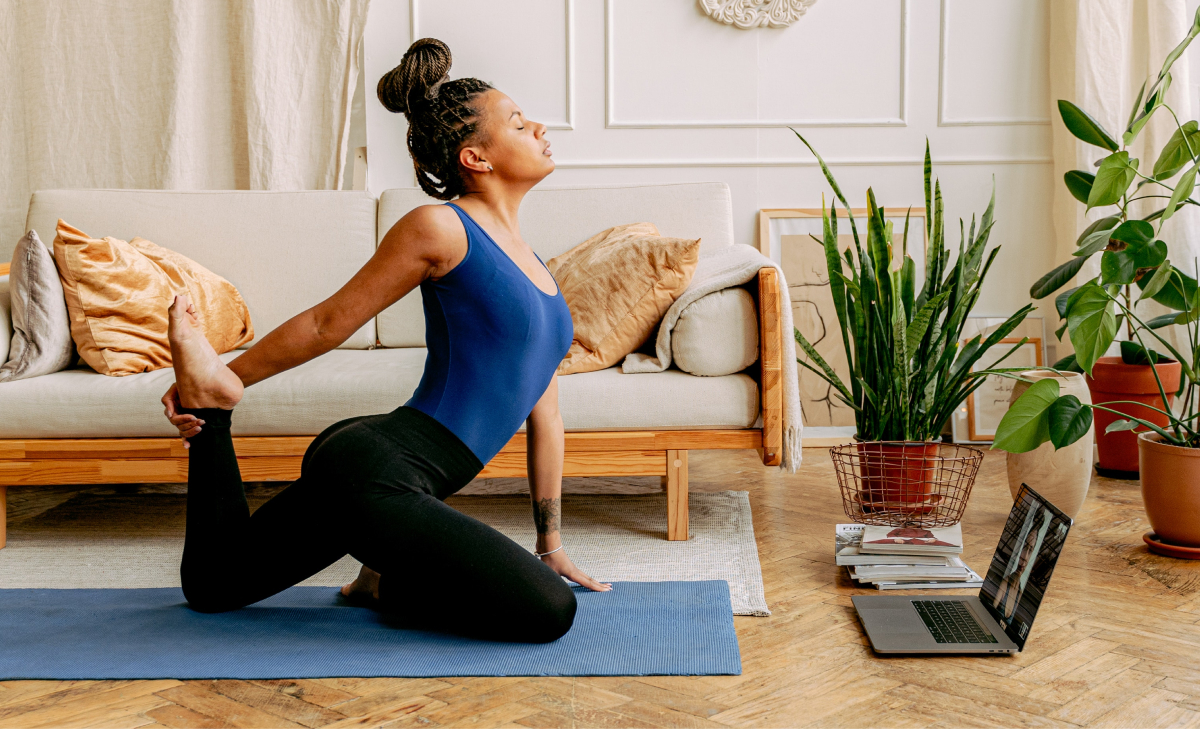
{"points": [[770, 330]]}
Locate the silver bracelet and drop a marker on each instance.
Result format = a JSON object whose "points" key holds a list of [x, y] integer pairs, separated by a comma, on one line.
{"points": [[543, 554]]}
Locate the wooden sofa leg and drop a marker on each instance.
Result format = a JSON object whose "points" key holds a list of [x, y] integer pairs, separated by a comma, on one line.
{"points": [[3, 515], [677, 496]]}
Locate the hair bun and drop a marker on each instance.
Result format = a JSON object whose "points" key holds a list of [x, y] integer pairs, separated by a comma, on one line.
{"points": [[426, 63]]}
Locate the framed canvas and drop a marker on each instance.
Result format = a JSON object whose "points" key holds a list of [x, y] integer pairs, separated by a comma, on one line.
{"points": [[786, 236], [976, 419]]}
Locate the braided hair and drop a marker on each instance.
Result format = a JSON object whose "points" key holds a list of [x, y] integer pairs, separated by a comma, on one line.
{"points": [[442, 115]]}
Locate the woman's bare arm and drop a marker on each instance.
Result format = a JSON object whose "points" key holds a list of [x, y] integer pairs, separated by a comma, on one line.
{"points": [[426, 243], [544, 463]]}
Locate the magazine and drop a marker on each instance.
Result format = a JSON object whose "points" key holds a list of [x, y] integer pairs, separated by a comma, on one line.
{"points": [[974, 582], [848, 539], [957, 570], [911, 540]]}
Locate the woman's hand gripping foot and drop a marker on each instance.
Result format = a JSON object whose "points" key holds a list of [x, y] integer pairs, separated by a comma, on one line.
{"points": [[201, 379]]}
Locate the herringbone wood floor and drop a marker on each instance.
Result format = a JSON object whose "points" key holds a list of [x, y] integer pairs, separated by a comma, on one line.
{"points": [[1117, 644]]}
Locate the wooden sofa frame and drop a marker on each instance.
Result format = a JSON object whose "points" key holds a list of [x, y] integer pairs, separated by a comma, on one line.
{"points": [[661, 453]]}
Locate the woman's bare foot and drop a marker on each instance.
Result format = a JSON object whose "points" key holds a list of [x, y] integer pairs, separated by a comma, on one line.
{"points": [[366, 585], [202, 378]]}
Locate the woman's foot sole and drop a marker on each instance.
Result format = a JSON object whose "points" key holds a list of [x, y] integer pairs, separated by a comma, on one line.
{"points": [[202, 378]]}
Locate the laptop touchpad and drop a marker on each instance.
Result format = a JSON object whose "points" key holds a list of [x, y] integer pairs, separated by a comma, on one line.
{"points": [[904, 620]]}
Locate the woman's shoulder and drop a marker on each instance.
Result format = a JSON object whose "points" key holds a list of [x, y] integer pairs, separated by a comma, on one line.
{"points": [[433, 232]]}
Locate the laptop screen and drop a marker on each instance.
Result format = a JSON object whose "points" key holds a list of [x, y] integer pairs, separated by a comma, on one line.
{"points": [[1020, 571]]}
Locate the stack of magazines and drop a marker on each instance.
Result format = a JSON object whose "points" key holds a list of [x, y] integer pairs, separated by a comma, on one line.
{"points": [[904, 558]]}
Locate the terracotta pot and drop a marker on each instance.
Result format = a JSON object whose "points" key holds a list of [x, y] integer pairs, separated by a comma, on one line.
{"points": [[897, 474], [1112, 380], [1171, 489], [1062, 476]]}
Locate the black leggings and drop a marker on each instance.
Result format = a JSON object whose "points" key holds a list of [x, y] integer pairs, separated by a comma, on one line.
{"points": [[372, 487]]}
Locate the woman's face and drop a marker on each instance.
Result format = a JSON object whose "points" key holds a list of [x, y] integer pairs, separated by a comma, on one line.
{"points": [[516, 149]]}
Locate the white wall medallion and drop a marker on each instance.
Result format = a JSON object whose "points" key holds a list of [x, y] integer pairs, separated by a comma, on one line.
{"points": [[747, 14]]}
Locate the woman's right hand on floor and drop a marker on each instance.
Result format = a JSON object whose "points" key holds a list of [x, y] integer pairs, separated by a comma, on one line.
{"points": [[188, 425], [562, 564]]}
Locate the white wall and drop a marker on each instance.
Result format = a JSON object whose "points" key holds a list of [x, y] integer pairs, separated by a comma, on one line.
{"points": [[655, 91]]}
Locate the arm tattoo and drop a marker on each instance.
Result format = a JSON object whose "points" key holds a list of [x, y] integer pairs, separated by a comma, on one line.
{"points": [[547, 514]]}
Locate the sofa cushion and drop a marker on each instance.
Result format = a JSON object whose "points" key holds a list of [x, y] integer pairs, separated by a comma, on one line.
{"points": [[5, 319], [618, 284], [41, 329], [717, 334], [554, 220], [79, 403], [284, 251], [118, 294]]}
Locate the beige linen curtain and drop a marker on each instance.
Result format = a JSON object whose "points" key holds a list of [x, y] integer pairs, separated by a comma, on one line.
{"points": [[1100, 53], [173, 94]]}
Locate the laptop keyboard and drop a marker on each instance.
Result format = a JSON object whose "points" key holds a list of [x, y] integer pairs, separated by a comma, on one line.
{"points": [[951, 622]]}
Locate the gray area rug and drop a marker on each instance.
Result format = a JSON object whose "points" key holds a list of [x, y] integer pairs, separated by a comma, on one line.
{"points": [[130, 541]]}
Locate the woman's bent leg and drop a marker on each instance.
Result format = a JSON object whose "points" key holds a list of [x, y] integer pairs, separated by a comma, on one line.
{"points": [[232, 559], [442, 569]]}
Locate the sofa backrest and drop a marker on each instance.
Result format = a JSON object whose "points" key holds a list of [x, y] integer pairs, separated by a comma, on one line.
{"points": [[284, 251], [553, 220]]}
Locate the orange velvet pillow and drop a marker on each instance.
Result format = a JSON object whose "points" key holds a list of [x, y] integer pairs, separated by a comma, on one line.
{"points": [[117, 296], [618, 285]]}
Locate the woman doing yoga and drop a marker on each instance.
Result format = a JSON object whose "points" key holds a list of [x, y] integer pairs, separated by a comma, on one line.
{"points": [[374, 487]]}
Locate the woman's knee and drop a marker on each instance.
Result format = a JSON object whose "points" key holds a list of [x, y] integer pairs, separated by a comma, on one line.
{"points": [[553, 616]]}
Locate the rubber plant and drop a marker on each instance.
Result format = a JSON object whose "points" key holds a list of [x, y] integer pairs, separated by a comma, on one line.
{"points": [[909, 368]]}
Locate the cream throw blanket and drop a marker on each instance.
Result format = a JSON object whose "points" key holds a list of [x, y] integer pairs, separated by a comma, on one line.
{"points": [[734, 266]]}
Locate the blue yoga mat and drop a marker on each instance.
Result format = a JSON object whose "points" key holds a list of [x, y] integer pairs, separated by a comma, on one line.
{"points": [[637, 629]]}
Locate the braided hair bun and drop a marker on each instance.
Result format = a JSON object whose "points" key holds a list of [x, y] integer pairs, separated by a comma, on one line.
{"points": [[442, 114]]}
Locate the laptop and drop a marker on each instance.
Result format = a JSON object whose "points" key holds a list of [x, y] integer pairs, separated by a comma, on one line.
{"points": [[999, 619]]}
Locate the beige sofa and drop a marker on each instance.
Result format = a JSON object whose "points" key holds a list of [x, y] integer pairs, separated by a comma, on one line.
{"points": [[285, 251]]}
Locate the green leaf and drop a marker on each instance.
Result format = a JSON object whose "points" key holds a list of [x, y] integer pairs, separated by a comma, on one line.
{"points": [[1117, 267], [1175, 156], [1183, 190], [1067, 364], [1095, 236], [1134, 232], [1133, 353], [1177, 293], [1084, 127], [1079, 184], [1069, 421], [1026, 425], [1157, 94], [1120, 425], [1164, 320], [920, 322], [1060, 302], [830, 375], [1056, 279], [1116, 173], [1091, 318], [1161, 275]]}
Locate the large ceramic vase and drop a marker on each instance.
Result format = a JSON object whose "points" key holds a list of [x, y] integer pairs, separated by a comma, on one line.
{"points": [[1061, 476], [1112, 380], [1171, 491]]}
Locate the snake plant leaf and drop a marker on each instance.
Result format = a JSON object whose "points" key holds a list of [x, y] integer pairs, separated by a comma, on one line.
{"points": [[1056, 279], [1079, 184], [1175, 153], [1069, 421], [1084, 127], [1183, 190], [1162, 274], [1119, 425], [1091, 319], [1095, 237], [1117, 172], [1176, 294], [1026, 425], [830, 375], [919, 325]]}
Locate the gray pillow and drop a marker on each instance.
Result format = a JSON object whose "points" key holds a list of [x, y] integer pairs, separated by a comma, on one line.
{"points": [[41, 339], [717, 334]]}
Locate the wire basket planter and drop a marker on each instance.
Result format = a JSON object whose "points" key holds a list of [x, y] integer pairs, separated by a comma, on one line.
{"points": [[902, 483]]}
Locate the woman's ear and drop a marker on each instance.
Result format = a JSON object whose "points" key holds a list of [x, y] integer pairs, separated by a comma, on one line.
{"points": [[469, 157]]}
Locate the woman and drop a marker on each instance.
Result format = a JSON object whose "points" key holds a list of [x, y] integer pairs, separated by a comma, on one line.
{"points": [[496, 328]]}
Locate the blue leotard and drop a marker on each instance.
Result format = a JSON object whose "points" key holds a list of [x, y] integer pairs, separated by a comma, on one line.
{"points": [[494, 340]]}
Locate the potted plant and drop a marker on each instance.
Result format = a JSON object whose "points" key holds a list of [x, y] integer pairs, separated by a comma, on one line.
{"points": [[909, 368], [1131, 255]]}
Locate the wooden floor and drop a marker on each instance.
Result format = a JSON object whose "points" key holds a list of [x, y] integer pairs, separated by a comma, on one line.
{"points": [[1117, 643]]}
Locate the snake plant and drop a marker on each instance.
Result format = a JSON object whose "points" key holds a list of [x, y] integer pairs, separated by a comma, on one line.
{"points": [[908, 370]]}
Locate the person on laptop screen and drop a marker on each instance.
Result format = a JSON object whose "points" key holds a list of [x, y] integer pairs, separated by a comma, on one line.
{"points": [[1024, 560]]}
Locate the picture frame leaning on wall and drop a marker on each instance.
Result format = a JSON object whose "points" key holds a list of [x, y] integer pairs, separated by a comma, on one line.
{"points": [[784, 236], [976, 419]]}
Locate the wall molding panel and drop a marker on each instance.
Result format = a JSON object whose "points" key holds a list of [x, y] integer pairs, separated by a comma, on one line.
{"points": [[810, 162], [568, 121], [612, 122], [944, 120]]}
